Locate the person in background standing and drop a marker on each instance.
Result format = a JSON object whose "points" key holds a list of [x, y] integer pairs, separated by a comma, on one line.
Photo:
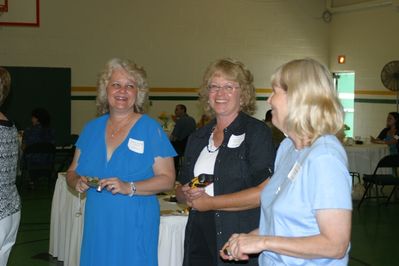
{"points": [[10, 204], [205, 119], [185, 125]]}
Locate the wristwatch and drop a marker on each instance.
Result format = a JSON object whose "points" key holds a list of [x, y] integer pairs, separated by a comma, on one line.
{"points": [[132, 189]]}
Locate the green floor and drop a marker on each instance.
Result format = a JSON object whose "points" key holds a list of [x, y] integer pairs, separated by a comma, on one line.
{"points": [[375, 233]]}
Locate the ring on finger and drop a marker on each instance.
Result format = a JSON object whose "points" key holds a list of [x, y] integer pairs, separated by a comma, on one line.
{"points": [[227, 252]]}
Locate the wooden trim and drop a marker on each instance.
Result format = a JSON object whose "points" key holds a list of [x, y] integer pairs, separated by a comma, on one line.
{"points": [[83, 89], [155, 98], [259, 90], [374, 92]]}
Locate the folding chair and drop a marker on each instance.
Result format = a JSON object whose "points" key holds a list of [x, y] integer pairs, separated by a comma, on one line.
{"points": [[355, 175], [63, 158], [392, 163]]}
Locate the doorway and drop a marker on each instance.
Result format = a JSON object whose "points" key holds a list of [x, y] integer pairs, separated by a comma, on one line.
{"points": [[345, 86]]}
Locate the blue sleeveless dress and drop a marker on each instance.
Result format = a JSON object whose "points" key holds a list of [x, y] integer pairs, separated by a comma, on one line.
{"points": [[118, 229]]}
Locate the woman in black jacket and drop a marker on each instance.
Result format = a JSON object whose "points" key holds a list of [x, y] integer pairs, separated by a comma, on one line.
{"points": [[235, 151]]}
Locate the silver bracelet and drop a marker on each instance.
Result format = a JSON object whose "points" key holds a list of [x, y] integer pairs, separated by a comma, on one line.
{"points": [[132, 189]]}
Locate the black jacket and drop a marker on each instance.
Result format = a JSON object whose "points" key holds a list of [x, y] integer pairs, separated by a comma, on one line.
{"points": [[236, 169]]}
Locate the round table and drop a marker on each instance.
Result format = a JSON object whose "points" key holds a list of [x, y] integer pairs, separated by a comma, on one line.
{"points": [[66, 227], [363, 158]]}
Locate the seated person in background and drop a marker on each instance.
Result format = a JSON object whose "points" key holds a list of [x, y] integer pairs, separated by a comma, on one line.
{"points": [[185, 125], [341, 135], [39, 132], [205, 119], [389, 135], [277, 135]]}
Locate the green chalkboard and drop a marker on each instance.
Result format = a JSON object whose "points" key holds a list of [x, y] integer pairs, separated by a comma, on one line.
{"points": [[44, 87]]}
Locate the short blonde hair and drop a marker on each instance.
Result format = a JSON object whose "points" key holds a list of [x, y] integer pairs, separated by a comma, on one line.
{"points": [[136, 72], [313, 105], [5, 84], [235, 71]]}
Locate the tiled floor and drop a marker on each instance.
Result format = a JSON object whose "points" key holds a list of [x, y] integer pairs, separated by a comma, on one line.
{"points": [[375, 233]]}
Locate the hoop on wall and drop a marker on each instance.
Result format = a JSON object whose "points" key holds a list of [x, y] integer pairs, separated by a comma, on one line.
{"points": [[4, 7], [25, 13]]}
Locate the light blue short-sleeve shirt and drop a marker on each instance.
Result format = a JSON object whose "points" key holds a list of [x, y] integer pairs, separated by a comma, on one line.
{"points": [[304, 181]]}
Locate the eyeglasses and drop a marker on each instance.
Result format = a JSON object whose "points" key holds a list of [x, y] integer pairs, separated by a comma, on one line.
{"points": [[213, 88]]}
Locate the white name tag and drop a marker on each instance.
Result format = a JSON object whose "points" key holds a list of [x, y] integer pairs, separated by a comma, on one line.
{"points": [[136, 145], [235, 141]]}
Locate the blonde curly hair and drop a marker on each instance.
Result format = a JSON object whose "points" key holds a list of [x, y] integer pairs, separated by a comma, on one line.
{"points": [[235, 71], [136, 72]]}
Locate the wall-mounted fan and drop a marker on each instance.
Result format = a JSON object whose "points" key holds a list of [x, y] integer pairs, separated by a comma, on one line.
{"points": [[390, 78]]}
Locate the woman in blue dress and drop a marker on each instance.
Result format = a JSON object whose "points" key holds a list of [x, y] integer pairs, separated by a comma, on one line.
{"points": [[133, 159], [306, 208]]}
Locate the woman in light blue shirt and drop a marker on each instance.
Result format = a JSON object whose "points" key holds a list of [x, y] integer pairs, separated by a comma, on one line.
{"points": [[306, 207]]}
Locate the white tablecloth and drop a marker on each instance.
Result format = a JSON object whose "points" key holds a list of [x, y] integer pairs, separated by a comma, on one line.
{"points": [[66, 228], [66, 224], [364, 158]]}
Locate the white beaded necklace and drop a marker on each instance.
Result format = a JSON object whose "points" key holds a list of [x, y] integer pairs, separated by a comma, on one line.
{"points": [[211, 146]]}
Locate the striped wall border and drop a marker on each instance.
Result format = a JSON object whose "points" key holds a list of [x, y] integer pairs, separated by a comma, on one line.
{"points": [[361, 96]]}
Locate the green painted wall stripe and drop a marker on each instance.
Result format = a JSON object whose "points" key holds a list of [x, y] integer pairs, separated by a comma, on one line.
{"points": [[375, 101], [195, 98], [158, 98], [82, 98], [173, 98], [189, 98]]}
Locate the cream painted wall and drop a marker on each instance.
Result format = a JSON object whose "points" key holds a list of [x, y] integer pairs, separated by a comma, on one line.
{"points": [[369, 39], [377, 113], [176, 39], [81, 113]]}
